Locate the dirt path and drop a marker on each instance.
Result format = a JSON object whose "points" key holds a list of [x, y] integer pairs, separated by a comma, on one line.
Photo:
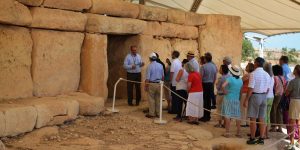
{"points": [[130, 130]]}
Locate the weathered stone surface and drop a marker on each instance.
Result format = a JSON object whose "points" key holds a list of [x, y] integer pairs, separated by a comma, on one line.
{"points": [[56, 62], [194, 19], [36, 136], [57, 19], [176, 16], [77, 5], [115, 8], [179, 31], [18, 118], [222, 36], [184, 46], [2, 146], [112, 25], [119, 47], [2, 124], [12, 12], [31, 2], [94, 67], [152, 28], [153, 13], [88, 105], [15, 62]]}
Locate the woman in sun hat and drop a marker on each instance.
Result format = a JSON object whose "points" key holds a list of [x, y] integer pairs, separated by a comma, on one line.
{"points": [[232, 89]]}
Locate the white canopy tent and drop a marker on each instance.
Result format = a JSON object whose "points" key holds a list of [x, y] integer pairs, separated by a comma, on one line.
{"points": [[268, 17]]}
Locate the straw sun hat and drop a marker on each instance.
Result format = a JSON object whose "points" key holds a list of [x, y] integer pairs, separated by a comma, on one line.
{"points": [[235, 70]]}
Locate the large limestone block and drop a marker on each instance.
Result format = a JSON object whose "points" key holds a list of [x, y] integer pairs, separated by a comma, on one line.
{"points": [[153, 13], [12, 12], [56, 62], [94, 67], [77, 5], [222, 36], [176, 16], [15, 62], [179, 31], [115, 8], [88, 105], [31, 2], [184, 46], [18, 118], [152, 28], [57, 19], [194, 19], [112, 25]]}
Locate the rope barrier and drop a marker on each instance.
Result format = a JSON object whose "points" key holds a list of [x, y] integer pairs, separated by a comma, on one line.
{"points": [[276, 142]]}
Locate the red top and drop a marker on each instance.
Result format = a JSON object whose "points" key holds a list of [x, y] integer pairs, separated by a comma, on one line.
{"points": [[196, 80], [245, 86]]}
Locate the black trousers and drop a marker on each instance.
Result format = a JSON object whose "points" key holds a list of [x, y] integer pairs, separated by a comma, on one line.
{"points": [[179, 101], [134, 77], [174, 100], [208, 94]]}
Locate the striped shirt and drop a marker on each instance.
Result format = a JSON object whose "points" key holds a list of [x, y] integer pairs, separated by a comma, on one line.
{"points": [[259, 81]]}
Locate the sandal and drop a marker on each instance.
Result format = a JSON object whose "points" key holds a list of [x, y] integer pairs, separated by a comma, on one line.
{"points": [[238, 135], [226, 135]]}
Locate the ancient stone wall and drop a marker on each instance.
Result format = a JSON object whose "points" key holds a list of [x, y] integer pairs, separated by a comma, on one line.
{"points": [[57, 47]]}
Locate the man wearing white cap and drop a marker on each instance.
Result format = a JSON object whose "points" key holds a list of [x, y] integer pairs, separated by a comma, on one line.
{"points": [[192, 60], [154, 74]]}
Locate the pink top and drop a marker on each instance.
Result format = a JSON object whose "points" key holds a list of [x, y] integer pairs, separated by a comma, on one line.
{"points": [[278, 86]]}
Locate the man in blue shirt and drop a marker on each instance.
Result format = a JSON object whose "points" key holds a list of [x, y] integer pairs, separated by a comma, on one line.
{"points": [[154, 74], [284, 63], [133, 63]]}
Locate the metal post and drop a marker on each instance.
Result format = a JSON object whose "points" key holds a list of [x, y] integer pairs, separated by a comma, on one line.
{"points": [[114, 97], [160, 121]]}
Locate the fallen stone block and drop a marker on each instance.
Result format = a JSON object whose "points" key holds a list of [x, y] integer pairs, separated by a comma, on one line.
{"points": [[88, 105], [152, 28], [56, 62], [153, 13], [176, 16], [57, 19], [18, 118], [38, 135], [194, 19], [179, 31], [31, 2], [76, 5], [112, 25], [13, 12], [115, 8], [94, 71], [15, 62]]}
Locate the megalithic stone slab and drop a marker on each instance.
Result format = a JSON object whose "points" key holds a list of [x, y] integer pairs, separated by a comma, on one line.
{"points": [[194, 19], [13, 12], [179, 31], [176, 16], [31, 2], [115, 8], [112, 25], [76, 5], [153, 13], [15, 62], [57, 19], [94, 65], [56, 62]]}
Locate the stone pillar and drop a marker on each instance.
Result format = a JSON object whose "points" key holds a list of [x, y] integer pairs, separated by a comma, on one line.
{"points": [[94, 67]]}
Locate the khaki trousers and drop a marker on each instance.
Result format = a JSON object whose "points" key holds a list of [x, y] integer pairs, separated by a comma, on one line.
{"points": [[154, 99]]}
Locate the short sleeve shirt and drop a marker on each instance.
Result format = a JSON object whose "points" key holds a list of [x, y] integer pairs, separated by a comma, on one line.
{"points": [[175, 67], [196, 82], [259, 81], [294, 88]]}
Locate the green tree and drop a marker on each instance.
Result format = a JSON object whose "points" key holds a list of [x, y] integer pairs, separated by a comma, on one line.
{"points": [[292, 54], [248, 50]]}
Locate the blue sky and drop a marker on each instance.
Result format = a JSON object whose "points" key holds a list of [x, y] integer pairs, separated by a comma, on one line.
{"points": [[291, 40]]}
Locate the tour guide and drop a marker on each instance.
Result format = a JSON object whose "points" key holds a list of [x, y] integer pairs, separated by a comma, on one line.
{"points": [[133, 63], [154, 74]]}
